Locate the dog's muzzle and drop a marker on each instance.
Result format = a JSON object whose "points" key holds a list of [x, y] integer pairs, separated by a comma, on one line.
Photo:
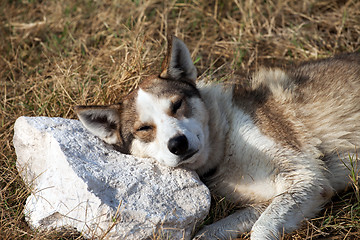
{"points": [[179, 145]]}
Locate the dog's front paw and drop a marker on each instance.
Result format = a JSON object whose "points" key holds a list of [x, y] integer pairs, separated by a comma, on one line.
{"points": [[260, 232], [212, 232], [207, 233]]}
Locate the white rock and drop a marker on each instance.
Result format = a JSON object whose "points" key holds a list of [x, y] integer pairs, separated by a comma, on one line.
{"points": [[80, 182]]}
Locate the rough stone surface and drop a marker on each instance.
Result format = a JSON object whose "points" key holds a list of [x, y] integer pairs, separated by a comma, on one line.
{"points": [[80, 182]]}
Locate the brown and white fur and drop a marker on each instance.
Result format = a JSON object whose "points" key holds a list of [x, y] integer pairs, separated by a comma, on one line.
{"points": [[278, 143]]}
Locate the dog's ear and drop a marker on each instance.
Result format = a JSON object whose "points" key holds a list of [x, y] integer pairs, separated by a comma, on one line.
{"points": [[177, 63], [102, 121]]}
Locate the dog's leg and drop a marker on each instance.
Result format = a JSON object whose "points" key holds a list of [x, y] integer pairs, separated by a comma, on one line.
{"points": [[233, 225], [303, 199], [306, 189], [282, 215]]}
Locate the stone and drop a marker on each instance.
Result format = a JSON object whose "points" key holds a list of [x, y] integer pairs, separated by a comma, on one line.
{"points": [[78, 181]]}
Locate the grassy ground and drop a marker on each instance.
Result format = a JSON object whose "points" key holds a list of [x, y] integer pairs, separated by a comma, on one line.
{"points": [[55, 54]]}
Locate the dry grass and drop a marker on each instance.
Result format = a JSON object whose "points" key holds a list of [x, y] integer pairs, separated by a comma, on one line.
{"points": [[55, 54]]}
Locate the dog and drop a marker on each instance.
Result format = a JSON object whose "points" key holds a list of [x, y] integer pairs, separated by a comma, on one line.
{"points": [[279, 143]]}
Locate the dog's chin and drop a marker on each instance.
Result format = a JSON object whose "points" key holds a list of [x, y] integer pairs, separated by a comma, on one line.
{"points": [[189, 156], [192, 162], [192, 159]]}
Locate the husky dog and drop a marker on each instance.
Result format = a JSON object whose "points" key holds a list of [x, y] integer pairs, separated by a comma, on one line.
{"points": [[279, 143]]}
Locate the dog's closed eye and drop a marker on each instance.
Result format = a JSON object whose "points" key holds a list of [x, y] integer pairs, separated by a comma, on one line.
{"points": [[144, 128], [176, 106]]}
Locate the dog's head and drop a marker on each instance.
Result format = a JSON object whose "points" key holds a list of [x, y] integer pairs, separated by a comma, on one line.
{"points": [[164, 118]]}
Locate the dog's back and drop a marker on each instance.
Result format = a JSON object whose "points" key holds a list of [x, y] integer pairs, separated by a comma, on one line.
{"points": [[313, 107], [327, 102]]}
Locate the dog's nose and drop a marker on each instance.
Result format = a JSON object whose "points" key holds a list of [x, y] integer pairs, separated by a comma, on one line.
{"points": [[178, 145]]}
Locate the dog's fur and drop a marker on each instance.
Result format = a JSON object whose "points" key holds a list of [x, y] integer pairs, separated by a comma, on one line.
{"points": [[278, 143]]}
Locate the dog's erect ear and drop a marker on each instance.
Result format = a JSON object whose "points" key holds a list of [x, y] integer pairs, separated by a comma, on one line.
{"points": [[177, 63], [102, 121]]}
